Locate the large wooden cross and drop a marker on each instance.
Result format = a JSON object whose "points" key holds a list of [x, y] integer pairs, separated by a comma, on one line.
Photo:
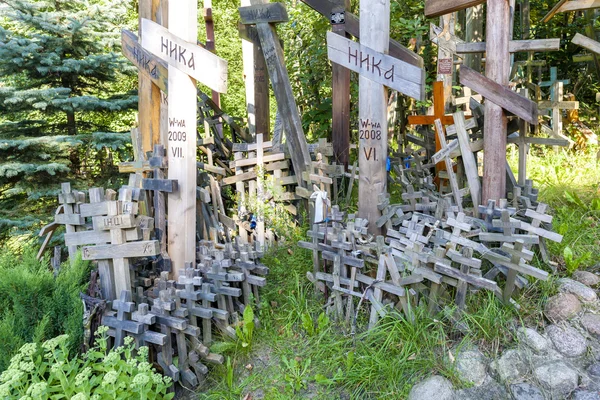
{"points": [[264, 15], [344, 23], [376, 70], [187, 63]]}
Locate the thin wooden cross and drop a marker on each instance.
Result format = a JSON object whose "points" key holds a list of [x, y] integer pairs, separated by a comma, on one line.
{"points": [[68, 198]]}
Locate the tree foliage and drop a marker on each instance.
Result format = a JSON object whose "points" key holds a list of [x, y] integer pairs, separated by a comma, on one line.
{"points": [[63, 97]]}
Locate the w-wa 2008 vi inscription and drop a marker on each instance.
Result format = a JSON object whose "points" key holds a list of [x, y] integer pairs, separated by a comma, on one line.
{"points": [[195, 61], [376, 66]]}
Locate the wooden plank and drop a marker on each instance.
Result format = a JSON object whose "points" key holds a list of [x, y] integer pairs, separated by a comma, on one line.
{"points": [[372, 115], [286, 103], [376, 66], [163, 185], [186, 56], [436, 8], [340, 98], [514, 46], [125, 250], [114, 222], [269, 13], [586, 42], [98, 237], [471, 279], [468, 158], [579, 5], [69, 219], [352, 26], [182, 119], [553, 11], [500, 95]]}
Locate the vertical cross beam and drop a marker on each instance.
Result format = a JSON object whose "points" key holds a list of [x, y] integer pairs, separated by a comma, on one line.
{"points": [[149, 104], [497, 68], [183, 22], [340, 135], [372, 100]]}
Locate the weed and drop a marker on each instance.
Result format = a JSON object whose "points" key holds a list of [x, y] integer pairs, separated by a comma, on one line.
{"points": [[296, 372], [246, 331]]}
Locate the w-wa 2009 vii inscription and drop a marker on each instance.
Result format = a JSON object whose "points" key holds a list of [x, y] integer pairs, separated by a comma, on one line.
{"points": [[187, 57]]}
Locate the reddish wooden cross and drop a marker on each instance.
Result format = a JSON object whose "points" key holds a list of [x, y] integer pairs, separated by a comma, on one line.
{"points": [[438, 113]]}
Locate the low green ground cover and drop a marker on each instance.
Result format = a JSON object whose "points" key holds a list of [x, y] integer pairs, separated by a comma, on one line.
{"points": [[298, 353]]}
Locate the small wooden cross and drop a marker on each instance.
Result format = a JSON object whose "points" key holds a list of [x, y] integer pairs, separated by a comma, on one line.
{"points": [[122, 323], [68, 199]]}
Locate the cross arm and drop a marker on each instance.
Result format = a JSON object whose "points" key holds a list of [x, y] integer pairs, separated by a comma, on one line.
{"points": [[352, 26], [586, 42]]}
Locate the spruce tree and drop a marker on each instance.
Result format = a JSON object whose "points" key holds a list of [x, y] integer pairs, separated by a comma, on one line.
{"points": [[65, 92]]}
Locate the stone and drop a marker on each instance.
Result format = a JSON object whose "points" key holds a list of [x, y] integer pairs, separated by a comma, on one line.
{"points": [[586, 277], [489, 390], [526, 391], [533, 339], [586, 395], [594, 370], [471, 367], [435, 387], [567, 340], [584, 293], [562, 307], [591, 323], [557, 377], [510, 367]]}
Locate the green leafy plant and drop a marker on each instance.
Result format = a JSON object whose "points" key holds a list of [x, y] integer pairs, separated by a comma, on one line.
{"points": [[309, 325], [34, 305], [246, 331], [573, 263], [48, 371], [296, 372], [229, 375]]}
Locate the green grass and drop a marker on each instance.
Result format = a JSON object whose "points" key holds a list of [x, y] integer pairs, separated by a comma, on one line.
{"points": [[298, 353]]}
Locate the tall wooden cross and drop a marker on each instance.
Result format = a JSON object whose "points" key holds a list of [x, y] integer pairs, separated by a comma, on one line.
{"points": [[264, 15], [187, 63], [345, 23], [376, 70]]}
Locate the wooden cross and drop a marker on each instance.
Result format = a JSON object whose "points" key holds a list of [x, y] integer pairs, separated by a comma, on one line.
{"points": [[376, 69], [265, 16], [464, 275], [160, 185], [551, 83], [438, 113], [465, 101], [456, 192], [515, 265], [69, 218], [556, 104], [143, 316], [177, 46], [120, 250], [122, 322]]}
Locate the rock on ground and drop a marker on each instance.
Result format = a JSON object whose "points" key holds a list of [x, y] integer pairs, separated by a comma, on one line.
{"points": [[561, 307], [584, 293], [526, 391], [533, 339], [557, 377], [489, 390], [567, 340], [510, 367], [586, 395], [436, 387], [586, 277], [471, 367], [591, 323], [594, 370]]}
